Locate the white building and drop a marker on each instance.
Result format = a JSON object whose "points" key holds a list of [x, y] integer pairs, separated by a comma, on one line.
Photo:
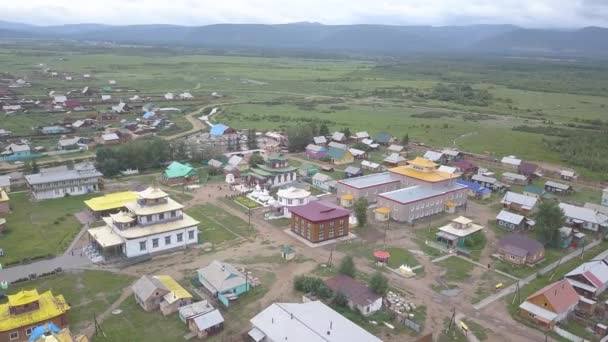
{"points": [[154, 223], [511, 161], [584, 218], [305, 322], [323, 181], [291, 197], [60, 181]]}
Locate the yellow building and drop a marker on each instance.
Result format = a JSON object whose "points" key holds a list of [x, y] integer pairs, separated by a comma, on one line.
{"points": [[422, 171], [110, 203]]}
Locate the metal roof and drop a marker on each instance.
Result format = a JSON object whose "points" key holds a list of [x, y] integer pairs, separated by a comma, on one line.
{"points": [[208, 320], [514, 176], [315, 148], [525, 201], [319, 140], [420, 192], [583, 214], [433, 155], [484, 179], [538, 311], [319, 211], [219, 276], [509, 217], [369, 180], [512, 160], [62, 173], [558, 185]]}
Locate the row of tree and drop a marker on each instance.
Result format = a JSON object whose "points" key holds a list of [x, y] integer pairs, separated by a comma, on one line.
{"points": [[140, 154]]}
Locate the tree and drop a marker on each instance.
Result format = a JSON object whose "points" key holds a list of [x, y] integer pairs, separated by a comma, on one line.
{"points": [[549, 219], [312, 285], [35, 167], [347, 132], [256, 159], [323, 130], [252, 142], [378, 283], [360, 209], [347, 266], [27, 167], [405, 140], [360, 146], [340, 299], [299, 137]]}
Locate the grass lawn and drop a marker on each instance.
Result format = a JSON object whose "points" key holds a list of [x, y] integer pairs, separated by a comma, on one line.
{"points": [[246, 201], [281, 223], [180, 196], [487, 285], [477, 330], [456, 269], [39, 228], [87, 292], [426, 234], [218, 225], [364, 321], [400, 256], [356, 249]]}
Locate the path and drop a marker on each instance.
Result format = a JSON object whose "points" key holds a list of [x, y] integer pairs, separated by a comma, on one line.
{"points": [[89, 331], [43, 266], [459, 317], [523, 282]]}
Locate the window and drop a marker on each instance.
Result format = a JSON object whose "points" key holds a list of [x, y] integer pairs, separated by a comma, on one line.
{"points": [[154, 243], [28, 331], [142, 246], [168, 240], [14, 335], [180, 237], [191, 235], [161, 216]]}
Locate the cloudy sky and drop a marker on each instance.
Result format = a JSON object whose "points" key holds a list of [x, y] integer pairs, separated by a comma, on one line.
{"points": [[527, 13]]}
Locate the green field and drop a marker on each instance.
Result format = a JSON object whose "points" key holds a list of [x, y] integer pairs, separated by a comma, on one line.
{"points": [[39, 229], [217, 225], [456, 269]]}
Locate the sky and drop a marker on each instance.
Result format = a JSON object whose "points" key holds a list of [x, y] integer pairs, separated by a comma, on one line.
{"points": [[526, 13]]}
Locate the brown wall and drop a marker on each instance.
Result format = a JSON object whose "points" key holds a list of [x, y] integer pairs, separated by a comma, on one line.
{"points": [[61, 321], [541, 301], [316, 234]]}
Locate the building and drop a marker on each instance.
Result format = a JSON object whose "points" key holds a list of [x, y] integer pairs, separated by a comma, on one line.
{"points": [[518, 202], [558, 188], [371, 166], [60, 181], [488, 182], [110, 203], [396, 149], [394, 159], [530, 170], [476, 190], [589, 279], [515, 179], [357, 154], [584, 218], [110, 139], [323, 182], [5, 183], [359, 296], [5, 207], [520, 250], [339, 154], [368, 186], [180, 174], [452, 155], [202, 319], [315, 151], [274, 172], [319, 221], [160, 292], [550, 305], [568, 175], [308, 170], [223, 281], [338, 136], [511, 162], [320, 140], [29, 309], [510, 221], [353, 171], [74, 143], [305, 322], [361, 135], [383, 138], [456, 233], [605, 197], [291, 197], [447, 169], [464, 167], [18, 150], [436, 157], [154, 223], [49, 332], [533, 191]]}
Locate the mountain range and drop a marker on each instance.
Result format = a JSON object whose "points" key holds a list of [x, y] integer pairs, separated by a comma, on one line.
{"points": [[381, 39]]}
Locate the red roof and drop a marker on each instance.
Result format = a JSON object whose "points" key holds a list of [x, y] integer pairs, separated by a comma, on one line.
{"points": [[72, 103], [593, 279], [463, 165], [319, 211], [561, 295], [382, 254]]}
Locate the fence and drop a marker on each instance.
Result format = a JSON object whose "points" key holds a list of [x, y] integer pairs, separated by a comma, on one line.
{"points": [[411, 324], [567, 335]]}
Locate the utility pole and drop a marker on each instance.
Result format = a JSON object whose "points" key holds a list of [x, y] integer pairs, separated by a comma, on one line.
{"points": [[452, 320], [249, 217], [516, 294], [555, 269], [385, 230], [331, 255]]}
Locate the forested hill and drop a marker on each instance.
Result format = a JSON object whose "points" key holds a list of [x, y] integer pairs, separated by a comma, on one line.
{"points": [[386, 39]]}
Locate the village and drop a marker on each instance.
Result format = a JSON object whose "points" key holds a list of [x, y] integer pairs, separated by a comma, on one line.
{"points": [[145, 217]]}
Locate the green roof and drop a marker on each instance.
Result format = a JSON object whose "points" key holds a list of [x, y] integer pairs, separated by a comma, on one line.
{"points": [[106, 89], [276, 156], [277, 170], [336, 153], [533, 190], [287, 250], [261, 172], [177, 170], [382, 137]]}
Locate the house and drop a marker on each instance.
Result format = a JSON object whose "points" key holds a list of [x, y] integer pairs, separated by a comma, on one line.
{"points": [[320, 140], [20, 150], [55, 129], [534, 191], [339, 154], [357, 154], [29, 309], [370, 143], [106, 97], [223, 281], [110, 203], [452, 155], [371, 166], [530, 170], [519, 249], [148, 115], [160, 292], [511, 221], [518, 202], [59, 99], [337, 136], [110, 139], [396, 148], [168, 96], [307, 170], [550, 305], [202, 319], [568, 175], [74, 143], [215, 163], [511, 162], [221, 129], [287, 253], [312, 321], [61, 181], [589, 279], [456, 233], [584, 218], [290, 197], [394, 159], [152, 224], [185, 96], [353, 171], [315, 151], [566, 237], [358, 295], [476, 190], [558, 188], [238, 162], [488, 182], [318, 221], [178, 174], [5, 183], [515, 179], [49, 332], [275, 171], [72, 104], [361, 135], [447, 169], [436, 157], [323, 181], [383, 138], [5, 133], [368, 186]]}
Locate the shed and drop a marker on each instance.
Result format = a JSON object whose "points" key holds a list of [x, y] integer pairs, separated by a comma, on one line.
{"points": [[353, 171]]}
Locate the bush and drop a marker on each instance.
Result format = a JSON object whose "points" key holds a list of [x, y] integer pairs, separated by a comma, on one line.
{"points": [[312, 285], [378, 283], [340, 299], [347, 267]]}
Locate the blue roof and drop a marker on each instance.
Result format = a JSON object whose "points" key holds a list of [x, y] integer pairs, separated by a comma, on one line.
{"points": [[218, 129], [41, 330], [478, 188], [149, 115]]}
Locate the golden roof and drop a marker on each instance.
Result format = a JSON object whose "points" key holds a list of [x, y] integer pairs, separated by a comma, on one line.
{"points": [[383, 210], [111, 201], [176, 291], [347, 197], [50, 307], [422, 162], [432, 176], [23, 297]]}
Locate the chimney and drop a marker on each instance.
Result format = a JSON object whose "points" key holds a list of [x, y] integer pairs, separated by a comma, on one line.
{"points": [[272, 320], [331, 325], [292, 316]]}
